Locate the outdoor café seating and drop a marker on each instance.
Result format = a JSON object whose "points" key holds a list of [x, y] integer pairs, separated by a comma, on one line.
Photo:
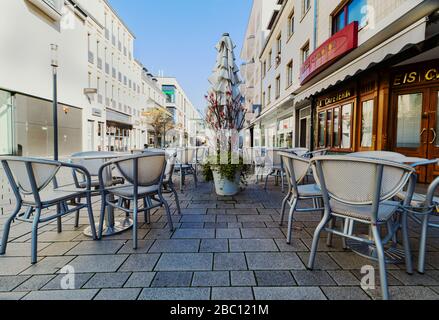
{"points": [[35, 186], [361, 189], [296, 169], [144, 176]]}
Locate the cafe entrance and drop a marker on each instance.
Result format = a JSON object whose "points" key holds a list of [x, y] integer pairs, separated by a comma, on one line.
{"points": [[415, 107]]}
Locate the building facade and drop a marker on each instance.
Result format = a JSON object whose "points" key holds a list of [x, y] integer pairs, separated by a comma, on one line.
{"points": [[255, 37], [183, 111], [102, 88], [351, 76]]}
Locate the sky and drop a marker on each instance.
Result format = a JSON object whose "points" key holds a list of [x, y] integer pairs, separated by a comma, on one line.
{"points": [[178, 37]]}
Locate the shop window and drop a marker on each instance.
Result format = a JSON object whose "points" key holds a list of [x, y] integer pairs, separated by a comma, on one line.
{"points": [[335, 127], [322, 122], [367, 111], [409, 120], [6, 129], [336, 134], [346, 126], [329, 128], [354, 10]]}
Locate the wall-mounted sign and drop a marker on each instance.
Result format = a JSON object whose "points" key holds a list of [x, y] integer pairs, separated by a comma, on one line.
{"points": [[332, 49], [335, 98], [416, 77], [96, 112]]}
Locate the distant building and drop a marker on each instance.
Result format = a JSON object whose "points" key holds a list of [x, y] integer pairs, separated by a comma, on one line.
{"points": [[181, 108]]}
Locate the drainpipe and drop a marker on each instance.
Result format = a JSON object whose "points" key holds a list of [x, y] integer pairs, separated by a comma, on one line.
{"points": [[315, 23]]}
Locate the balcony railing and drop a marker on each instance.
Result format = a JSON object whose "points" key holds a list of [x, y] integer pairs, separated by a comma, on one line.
{"points": [[91, 57]]}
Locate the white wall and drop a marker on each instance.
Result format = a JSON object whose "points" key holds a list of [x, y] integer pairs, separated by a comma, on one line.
{"points": [[26, 34]]}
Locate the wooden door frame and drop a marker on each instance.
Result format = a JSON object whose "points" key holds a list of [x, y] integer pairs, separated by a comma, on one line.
{"points": [[367, 97]]}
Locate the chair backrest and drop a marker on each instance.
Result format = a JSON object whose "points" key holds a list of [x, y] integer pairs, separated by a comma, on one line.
{"points": [[272, 157], [170, 165], [186, 155], [143, 170], [201, 153], [317, 153], [29, 176], [295, 167], [387, 155], [92, 164], [360, 181]]}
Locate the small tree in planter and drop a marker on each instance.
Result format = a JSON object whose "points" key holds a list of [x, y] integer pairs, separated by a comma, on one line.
{"points": [[225, 117]]}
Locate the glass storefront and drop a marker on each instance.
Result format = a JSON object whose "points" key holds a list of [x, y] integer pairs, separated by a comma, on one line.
{"points": [[34, 128], [6, 120]]}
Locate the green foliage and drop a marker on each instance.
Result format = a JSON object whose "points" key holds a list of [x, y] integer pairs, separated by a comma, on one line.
{"points": [[227, 171]]}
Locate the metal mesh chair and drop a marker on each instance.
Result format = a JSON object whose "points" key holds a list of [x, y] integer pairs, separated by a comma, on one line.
{"points": [[168, 184], [186, 165], [92, 165], [296, 169], [144, 175], [359, 189], [273, 166], [422, 208], [30, 180]]}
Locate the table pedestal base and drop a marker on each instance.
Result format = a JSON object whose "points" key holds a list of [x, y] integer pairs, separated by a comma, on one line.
{"points": [[393, 254], [119, 226]]}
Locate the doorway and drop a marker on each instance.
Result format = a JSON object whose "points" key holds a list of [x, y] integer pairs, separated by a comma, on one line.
{"points": [[305, 128], [417, 127]]}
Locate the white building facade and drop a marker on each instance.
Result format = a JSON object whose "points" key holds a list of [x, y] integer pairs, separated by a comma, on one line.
{"points": [[319, 92], [102, 89], [255, 37], [182, 110]]}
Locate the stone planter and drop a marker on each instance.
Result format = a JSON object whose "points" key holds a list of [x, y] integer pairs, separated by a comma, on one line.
{"points": [[225, 187]]}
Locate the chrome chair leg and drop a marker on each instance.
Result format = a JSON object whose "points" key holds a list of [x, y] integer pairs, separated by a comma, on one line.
{"points": [[423, 244], [7, 228], [381, 262]]}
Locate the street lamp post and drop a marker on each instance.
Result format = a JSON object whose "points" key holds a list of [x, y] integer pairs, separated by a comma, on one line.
{"points": [[54, 64]]}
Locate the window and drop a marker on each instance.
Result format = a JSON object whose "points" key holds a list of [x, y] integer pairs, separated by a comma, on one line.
{"points": [[264, 102], [306, 6], [270, 59], [346, 116], [291, 24], [278, 87], [354, 10], [269, 95], [335, 127], [305, 52], [367, 111], [279, 45], [264, 68], [290, 73]]}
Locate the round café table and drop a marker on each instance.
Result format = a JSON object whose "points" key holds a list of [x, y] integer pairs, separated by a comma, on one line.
{"points": [[111, 225], [393, 253]]}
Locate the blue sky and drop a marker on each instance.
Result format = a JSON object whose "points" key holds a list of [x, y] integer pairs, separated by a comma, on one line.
{"points": [[179, 36]]}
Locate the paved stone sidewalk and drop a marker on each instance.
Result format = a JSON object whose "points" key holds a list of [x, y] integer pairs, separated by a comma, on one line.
{"points": [[222, 248]]}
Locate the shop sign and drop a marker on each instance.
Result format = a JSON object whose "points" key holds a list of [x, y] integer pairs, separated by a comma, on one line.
{"points": [[96, 112], [335, 98], [332, 49], [416, 77]]}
